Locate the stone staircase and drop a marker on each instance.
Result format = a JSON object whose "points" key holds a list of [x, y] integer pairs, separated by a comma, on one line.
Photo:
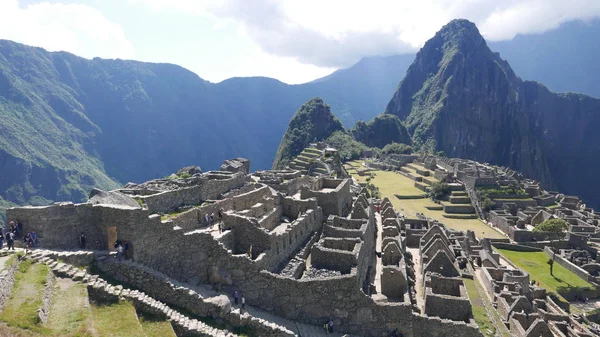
{"points": [[100, 289], [197, 298]]}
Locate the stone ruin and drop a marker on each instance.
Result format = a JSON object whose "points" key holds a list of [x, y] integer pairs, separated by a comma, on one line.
{"points": [[300, 248]]}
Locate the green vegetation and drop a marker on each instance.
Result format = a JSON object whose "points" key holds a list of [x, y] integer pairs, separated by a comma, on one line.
{"points": [[487, 204], [156, 327], [555, 226], [69, 313], [312, 122], [502, 192], [439, 191], [21, 309], [118, 320], [396, 148], [535, 263], [381, 131], [347, 146], [479, 301], [392, 183]]}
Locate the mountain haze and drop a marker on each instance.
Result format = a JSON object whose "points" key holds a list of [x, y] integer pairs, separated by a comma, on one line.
{"points": [[463, 99]]}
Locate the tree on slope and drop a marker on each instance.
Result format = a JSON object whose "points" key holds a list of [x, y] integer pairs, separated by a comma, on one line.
{"points": [[554, 229]]}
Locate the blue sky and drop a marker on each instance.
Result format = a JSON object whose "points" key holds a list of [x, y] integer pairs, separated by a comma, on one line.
{"points": [[294, 41]]}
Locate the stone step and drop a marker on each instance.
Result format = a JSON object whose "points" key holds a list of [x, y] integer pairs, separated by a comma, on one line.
{"points": [[460, 200]]}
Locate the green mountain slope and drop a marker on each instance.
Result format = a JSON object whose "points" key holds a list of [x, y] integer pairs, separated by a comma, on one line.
{"points": [[461, 98], [380, 131], [312, 122]]}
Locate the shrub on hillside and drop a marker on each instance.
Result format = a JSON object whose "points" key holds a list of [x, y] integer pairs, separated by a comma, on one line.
{"points": [[396, 148], [439, 190]]}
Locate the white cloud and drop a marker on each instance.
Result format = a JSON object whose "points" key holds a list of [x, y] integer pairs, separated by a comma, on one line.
{"points": [[75, 28], [336, 33]]}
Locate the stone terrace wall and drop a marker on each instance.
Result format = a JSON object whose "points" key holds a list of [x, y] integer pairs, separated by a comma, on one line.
{"points": [[7, 281]]}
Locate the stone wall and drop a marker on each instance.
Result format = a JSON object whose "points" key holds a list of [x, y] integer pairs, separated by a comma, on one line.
{"points": [[333, 195], [7, 281], [445, 306], [210, 187], [59, 226], [438, 327], [336, 254], [44, 310]]}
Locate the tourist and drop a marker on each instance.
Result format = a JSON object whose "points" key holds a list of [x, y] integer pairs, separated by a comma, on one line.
{"points": [[120, 252], [330, 326], [212, 219], [1, 240], [19, 228], [27, 239], [243, 302], [126, 249], [10, 241], [220, 214], [34, 239], [206, 219], [82, 240], [236, 294]]}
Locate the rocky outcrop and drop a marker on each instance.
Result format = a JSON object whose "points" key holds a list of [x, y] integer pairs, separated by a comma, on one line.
{"points": [[236, 165], [117, 198], [461, 98], [189, 170]]}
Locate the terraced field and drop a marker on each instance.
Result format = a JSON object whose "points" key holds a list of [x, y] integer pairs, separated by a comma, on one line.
{"points": [[392, 183], [70, 312]]}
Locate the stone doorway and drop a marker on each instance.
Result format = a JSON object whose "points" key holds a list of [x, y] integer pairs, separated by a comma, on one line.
{"points": [[111, 236]]}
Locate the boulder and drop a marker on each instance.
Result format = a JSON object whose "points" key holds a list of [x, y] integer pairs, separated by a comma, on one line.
{"points": [[236, 165], [98, 196], [189, 170]]}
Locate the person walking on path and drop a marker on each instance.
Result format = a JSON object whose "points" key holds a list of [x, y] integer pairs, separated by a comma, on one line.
{"points": [[1, 240], [236, 295], [330, 326], [206, 220], [10, 241], [243, 302], [82, 241]]}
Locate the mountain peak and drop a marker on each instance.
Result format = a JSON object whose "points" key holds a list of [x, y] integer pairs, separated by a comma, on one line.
{"points": [[459, 35]]}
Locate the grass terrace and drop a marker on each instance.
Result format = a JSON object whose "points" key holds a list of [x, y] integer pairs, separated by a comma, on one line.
{"points": [[392, 183], [535, 264]]}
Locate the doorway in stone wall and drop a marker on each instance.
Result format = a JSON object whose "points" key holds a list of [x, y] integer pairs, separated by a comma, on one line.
{"points": [[111, 236]]}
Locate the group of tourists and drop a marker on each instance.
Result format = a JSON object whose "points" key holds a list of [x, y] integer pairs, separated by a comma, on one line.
{"points": [[13, 232], [123, 250], [239, 297], [328, 327], [209, 219]]}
